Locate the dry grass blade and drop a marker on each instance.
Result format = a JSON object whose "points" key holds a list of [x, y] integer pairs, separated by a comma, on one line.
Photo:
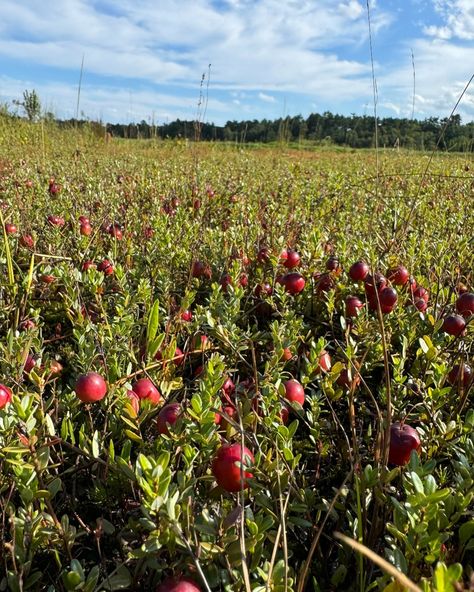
{"points": [[380, 561]]}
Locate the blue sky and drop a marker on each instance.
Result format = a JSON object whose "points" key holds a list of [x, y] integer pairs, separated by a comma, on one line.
{"points": [[144, 59]]}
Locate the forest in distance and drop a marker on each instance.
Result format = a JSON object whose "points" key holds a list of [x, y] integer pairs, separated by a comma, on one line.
{"points": [[354, 131], [327, 129]]}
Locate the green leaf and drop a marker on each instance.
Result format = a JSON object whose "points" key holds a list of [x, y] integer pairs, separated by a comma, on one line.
{"points": [[153, 322], [155, 345], [77, 567], [417, 484], [455, 572], [95, 445], [71, 580], [49, 425], [123, 464], [55, 486], [144, 463], [466, 532], [424, 345], [111, 450], [430, 484], [133, 436], [399, 560], [119, 580]]}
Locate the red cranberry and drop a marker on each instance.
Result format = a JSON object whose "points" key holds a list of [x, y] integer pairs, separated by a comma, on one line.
{"points": [[358, 271]]}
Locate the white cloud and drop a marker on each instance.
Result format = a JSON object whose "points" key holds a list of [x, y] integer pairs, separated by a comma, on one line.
{"points": [[261, 52], [266, 98], [459, 19], [392, 107], [352, 9], [439, 32], [265, 46], [442, 70], [110, 104]]}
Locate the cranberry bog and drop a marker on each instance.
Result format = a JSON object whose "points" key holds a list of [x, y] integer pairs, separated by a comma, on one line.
{"points": [[227, 368]]}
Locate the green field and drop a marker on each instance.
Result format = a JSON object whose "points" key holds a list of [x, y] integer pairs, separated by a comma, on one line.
{"points": [[186, 301]]}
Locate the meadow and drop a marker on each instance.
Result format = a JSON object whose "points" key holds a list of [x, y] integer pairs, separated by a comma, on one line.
{"points": [[227, 368]]}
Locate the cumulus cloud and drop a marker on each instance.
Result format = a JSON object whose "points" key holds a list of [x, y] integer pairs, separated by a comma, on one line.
{"points": [[459, 19], [263, 53], [266, 44], [266, 98], [440, 32], [442, 70], [352, 9]]}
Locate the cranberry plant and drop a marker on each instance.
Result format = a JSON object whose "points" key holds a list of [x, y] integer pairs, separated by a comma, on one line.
{"points": [[214, 361]]}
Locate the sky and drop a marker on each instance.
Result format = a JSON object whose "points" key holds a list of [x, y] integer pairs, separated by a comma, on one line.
{"points": [[145, 59]]}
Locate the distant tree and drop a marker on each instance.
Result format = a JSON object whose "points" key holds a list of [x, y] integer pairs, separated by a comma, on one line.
{"points": [[31, 104]]}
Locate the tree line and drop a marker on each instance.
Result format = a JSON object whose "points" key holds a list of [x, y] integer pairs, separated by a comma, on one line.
{"points": [[355, 131]]}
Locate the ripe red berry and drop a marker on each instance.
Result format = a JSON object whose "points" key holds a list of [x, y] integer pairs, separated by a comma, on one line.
{"points": [[148, 232], [145, 389], [323, 282], [228, 387], [90, 387], [178, 585], [353, 306], [85, 229], [5, 396], [168, 415], [186, 316], [226, 281], [292, 259], [229, 464], [88, 265], [454, 325], [460, 375], [374, 283], [200, 270], [399, 276], [54, 188], [106, 267], [263, 256], [115, 231], [421, 304], [284, 413], [403, 439], [200, 342], [263, 289], [10, 229], [388, 297], [324, 361], [294, 391], [55, 220], [465, 304], [422, 293], [333, 265], [293, 283], [30, 363], [220, 417], [26, 240], [358, 271]]}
